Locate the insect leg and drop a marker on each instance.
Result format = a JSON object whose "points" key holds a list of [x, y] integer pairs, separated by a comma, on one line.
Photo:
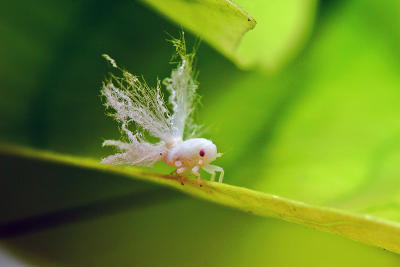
{"points": [[195, 171], [212, 169], [181, 172], [178, 163]]}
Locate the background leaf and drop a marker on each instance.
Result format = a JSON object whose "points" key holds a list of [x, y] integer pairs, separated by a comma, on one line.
{"points": [[220, 22], [283, 27]]}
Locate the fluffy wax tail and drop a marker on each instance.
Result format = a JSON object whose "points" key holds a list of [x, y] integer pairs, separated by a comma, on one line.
{"points": [[182, 86], [138, 152], [131, 100]]}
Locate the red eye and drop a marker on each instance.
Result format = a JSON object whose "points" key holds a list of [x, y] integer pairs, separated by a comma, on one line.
{"points": [[202, 153]]}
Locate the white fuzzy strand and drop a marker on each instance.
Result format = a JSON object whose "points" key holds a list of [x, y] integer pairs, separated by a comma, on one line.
{"points": [[134, 101], [138, 152], [182, 87]]}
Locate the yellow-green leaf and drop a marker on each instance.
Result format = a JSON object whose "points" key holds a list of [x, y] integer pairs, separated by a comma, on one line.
{"points": [[363, 228], [282, 27], [220, 22]]}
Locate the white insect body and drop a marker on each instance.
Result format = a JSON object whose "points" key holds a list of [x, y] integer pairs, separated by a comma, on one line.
{"points": [[134, 102]]}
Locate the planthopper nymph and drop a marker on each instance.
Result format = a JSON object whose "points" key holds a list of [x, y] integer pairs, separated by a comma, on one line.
{"points": [[133, 101]]}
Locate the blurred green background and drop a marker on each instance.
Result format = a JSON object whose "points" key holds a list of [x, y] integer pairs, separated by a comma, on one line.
{"points": [[320, 124]]}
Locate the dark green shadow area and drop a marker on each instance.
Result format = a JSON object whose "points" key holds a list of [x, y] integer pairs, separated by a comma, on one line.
{"points": [[190, 232], [43, 194], [87, 211]]}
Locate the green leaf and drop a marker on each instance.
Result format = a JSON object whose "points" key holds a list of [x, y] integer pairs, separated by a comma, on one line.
{"points": [[282, 27], [220, 22], [363, 228]]}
